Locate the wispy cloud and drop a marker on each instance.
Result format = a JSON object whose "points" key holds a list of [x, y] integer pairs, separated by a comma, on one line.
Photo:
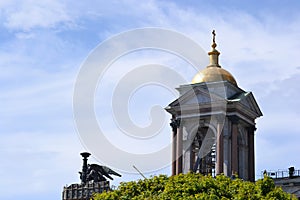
{"points": [[29, 14]]}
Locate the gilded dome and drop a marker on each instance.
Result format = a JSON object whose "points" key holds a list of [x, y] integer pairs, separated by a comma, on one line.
{"points": [[213, 72]]}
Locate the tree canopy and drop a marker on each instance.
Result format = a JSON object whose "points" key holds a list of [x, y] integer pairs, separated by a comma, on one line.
{"points": [[195, 186]]}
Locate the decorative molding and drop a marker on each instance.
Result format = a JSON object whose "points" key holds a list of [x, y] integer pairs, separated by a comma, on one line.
{"points": [[175, 123]]}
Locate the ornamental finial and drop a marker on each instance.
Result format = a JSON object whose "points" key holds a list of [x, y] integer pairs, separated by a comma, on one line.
{"points": [[214, 39], [214, 53]]}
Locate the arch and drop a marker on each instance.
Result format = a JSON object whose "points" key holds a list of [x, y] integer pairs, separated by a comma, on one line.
{"points": [[201, 151], [196, 127], [243, 152]]}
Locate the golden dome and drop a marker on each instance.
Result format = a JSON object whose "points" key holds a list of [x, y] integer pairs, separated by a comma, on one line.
{"points": [[213, 72]]}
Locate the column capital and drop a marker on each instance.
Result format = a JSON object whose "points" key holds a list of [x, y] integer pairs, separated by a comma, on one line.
{"points": [[175, 123], [252, 128]]}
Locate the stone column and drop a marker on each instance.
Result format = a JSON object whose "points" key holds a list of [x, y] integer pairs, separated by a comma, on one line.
{"points": [[226, 156], [251, 154], [174, 152], [234, 147], [192, 156], [174, 125], [220, 149], [179, 151]]}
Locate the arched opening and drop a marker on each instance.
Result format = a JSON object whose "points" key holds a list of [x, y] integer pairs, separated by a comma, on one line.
{"points": [[203, 159], [242, 153]]}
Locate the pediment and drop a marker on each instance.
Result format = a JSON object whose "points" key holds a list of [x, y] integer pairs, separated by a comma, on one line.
{"points": [[247, 100], [196, 96]]}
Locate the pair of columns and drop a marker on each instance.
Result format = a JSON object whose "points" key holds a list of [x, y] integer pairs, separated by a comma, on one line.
{"points": [[177, 149], [235, 151]]}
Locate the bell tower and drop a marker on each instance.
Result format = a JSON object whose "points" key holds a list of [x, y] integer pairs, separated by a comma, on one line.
{"points": [[213, 124]]}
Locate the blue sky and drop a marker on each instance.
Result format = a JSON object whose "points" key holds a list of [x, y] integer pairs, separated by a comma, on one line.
{"points": [[44, 43]]}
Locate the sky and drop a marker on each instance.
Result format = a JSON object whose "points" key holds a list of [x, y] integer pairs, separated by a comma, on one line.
{"points": [[45, 44]]}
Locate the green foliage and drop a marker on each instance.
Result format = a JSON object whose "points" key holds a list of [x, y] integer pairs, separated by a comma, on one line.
{"points": [[195, 186]]}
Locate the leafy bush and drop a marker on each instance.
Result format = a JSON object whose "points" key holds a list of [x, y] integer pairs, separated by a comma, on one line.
{"points": [[195, 186]]}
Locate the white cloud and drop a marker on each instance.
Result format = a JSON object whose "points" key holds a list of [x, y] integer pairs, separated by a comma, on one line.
{"points": [[28, 14]]}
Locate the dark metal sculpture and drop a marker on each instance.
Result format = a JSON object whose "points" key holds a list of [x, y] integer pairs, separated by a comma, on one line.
{"points": [[95, 176], [98, 172], [93, 172], [83, 174], [93, 180]]}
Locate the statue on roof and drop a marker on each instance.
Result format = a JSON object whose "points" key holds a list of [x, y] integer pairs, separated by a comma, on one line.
{"points": [[94, 172], [98, 173]]}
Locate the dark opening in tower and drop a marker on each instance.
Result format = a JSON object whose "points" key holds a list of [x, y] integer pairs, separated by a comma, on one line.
{"points": [[204, 152]]}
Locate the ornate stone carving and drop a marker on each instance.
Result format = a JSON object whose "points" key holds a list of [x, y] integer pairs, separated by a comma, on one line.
{"points": [[175, 123]]}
